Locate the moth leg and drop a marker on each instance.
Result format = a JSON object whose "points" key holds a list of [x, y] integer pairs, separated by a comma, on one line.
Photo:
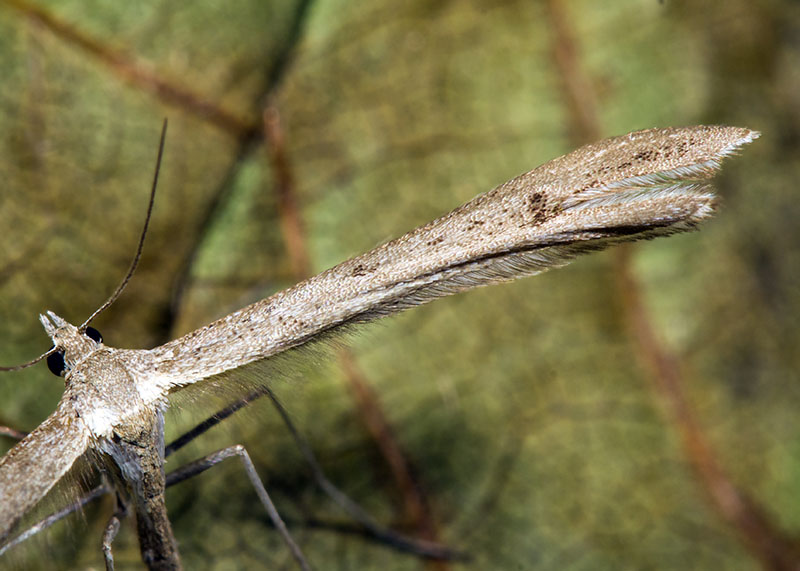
{"points": [[198, 466], [43, 524], [391, 538], [214, 420], [373, 529], [111, 531]]}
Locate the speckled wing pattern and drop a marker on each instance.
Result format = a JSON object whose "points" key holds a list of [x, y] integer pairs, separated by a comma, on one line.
{"points": [[40, 460], [637, 186]]}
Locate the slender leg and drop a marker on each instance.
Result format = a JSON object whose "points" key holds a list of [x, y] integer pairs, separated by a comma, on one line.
{"points": [[112, 529], [193, 468], [393, 539], [386, 535], [213, 420], [43, 524]]}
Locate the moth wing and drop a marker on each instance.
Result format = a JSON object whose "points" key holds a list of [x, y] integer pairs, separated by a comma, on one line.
{"points": [[31, 468], [637, 186]]}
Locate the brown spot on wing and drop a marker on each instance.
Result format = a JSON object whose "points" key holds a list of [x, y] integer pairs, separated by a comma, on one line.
{"points": [[537, 206], [362, 270]]}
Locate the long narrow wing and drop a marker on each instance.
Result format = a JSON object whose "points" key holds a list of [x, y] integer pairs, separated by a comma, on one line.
{"points": [[35, 464], [641, 185]]}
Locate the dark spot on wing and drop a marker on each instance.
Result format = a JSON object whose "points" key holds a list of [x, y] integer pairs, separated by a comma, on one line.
{"points": [[474, 224], [537, 204], [362, 270]]}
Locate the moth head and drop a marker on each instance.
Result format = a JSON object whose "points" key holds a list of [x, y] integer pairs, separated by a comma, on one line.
{"points": [[70, 344]]}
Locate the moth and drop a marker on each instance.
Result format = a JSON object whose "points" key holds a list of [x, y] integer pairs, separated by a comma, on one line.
{"points": [[638, 186]]}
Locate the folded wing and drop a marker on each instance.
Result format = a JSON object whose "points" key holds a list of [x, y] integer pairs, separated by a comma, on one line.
{"points": [[638, 186], [31, 468]]}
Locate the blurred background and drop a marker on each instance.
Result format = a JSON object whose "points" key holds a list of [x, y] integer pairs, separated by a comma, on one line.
{"points": [[637, 409]]}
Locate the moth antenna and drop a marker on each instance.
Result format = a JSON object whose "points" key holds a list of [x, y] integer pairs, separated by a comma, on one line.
{"points": [[29, 363], [132, 267], [140, 247]]}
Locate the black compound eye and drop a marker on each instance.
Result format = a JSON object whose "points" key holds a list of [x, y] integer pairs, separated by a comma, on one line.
{"points": [[55, 362], [93, 334]]}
